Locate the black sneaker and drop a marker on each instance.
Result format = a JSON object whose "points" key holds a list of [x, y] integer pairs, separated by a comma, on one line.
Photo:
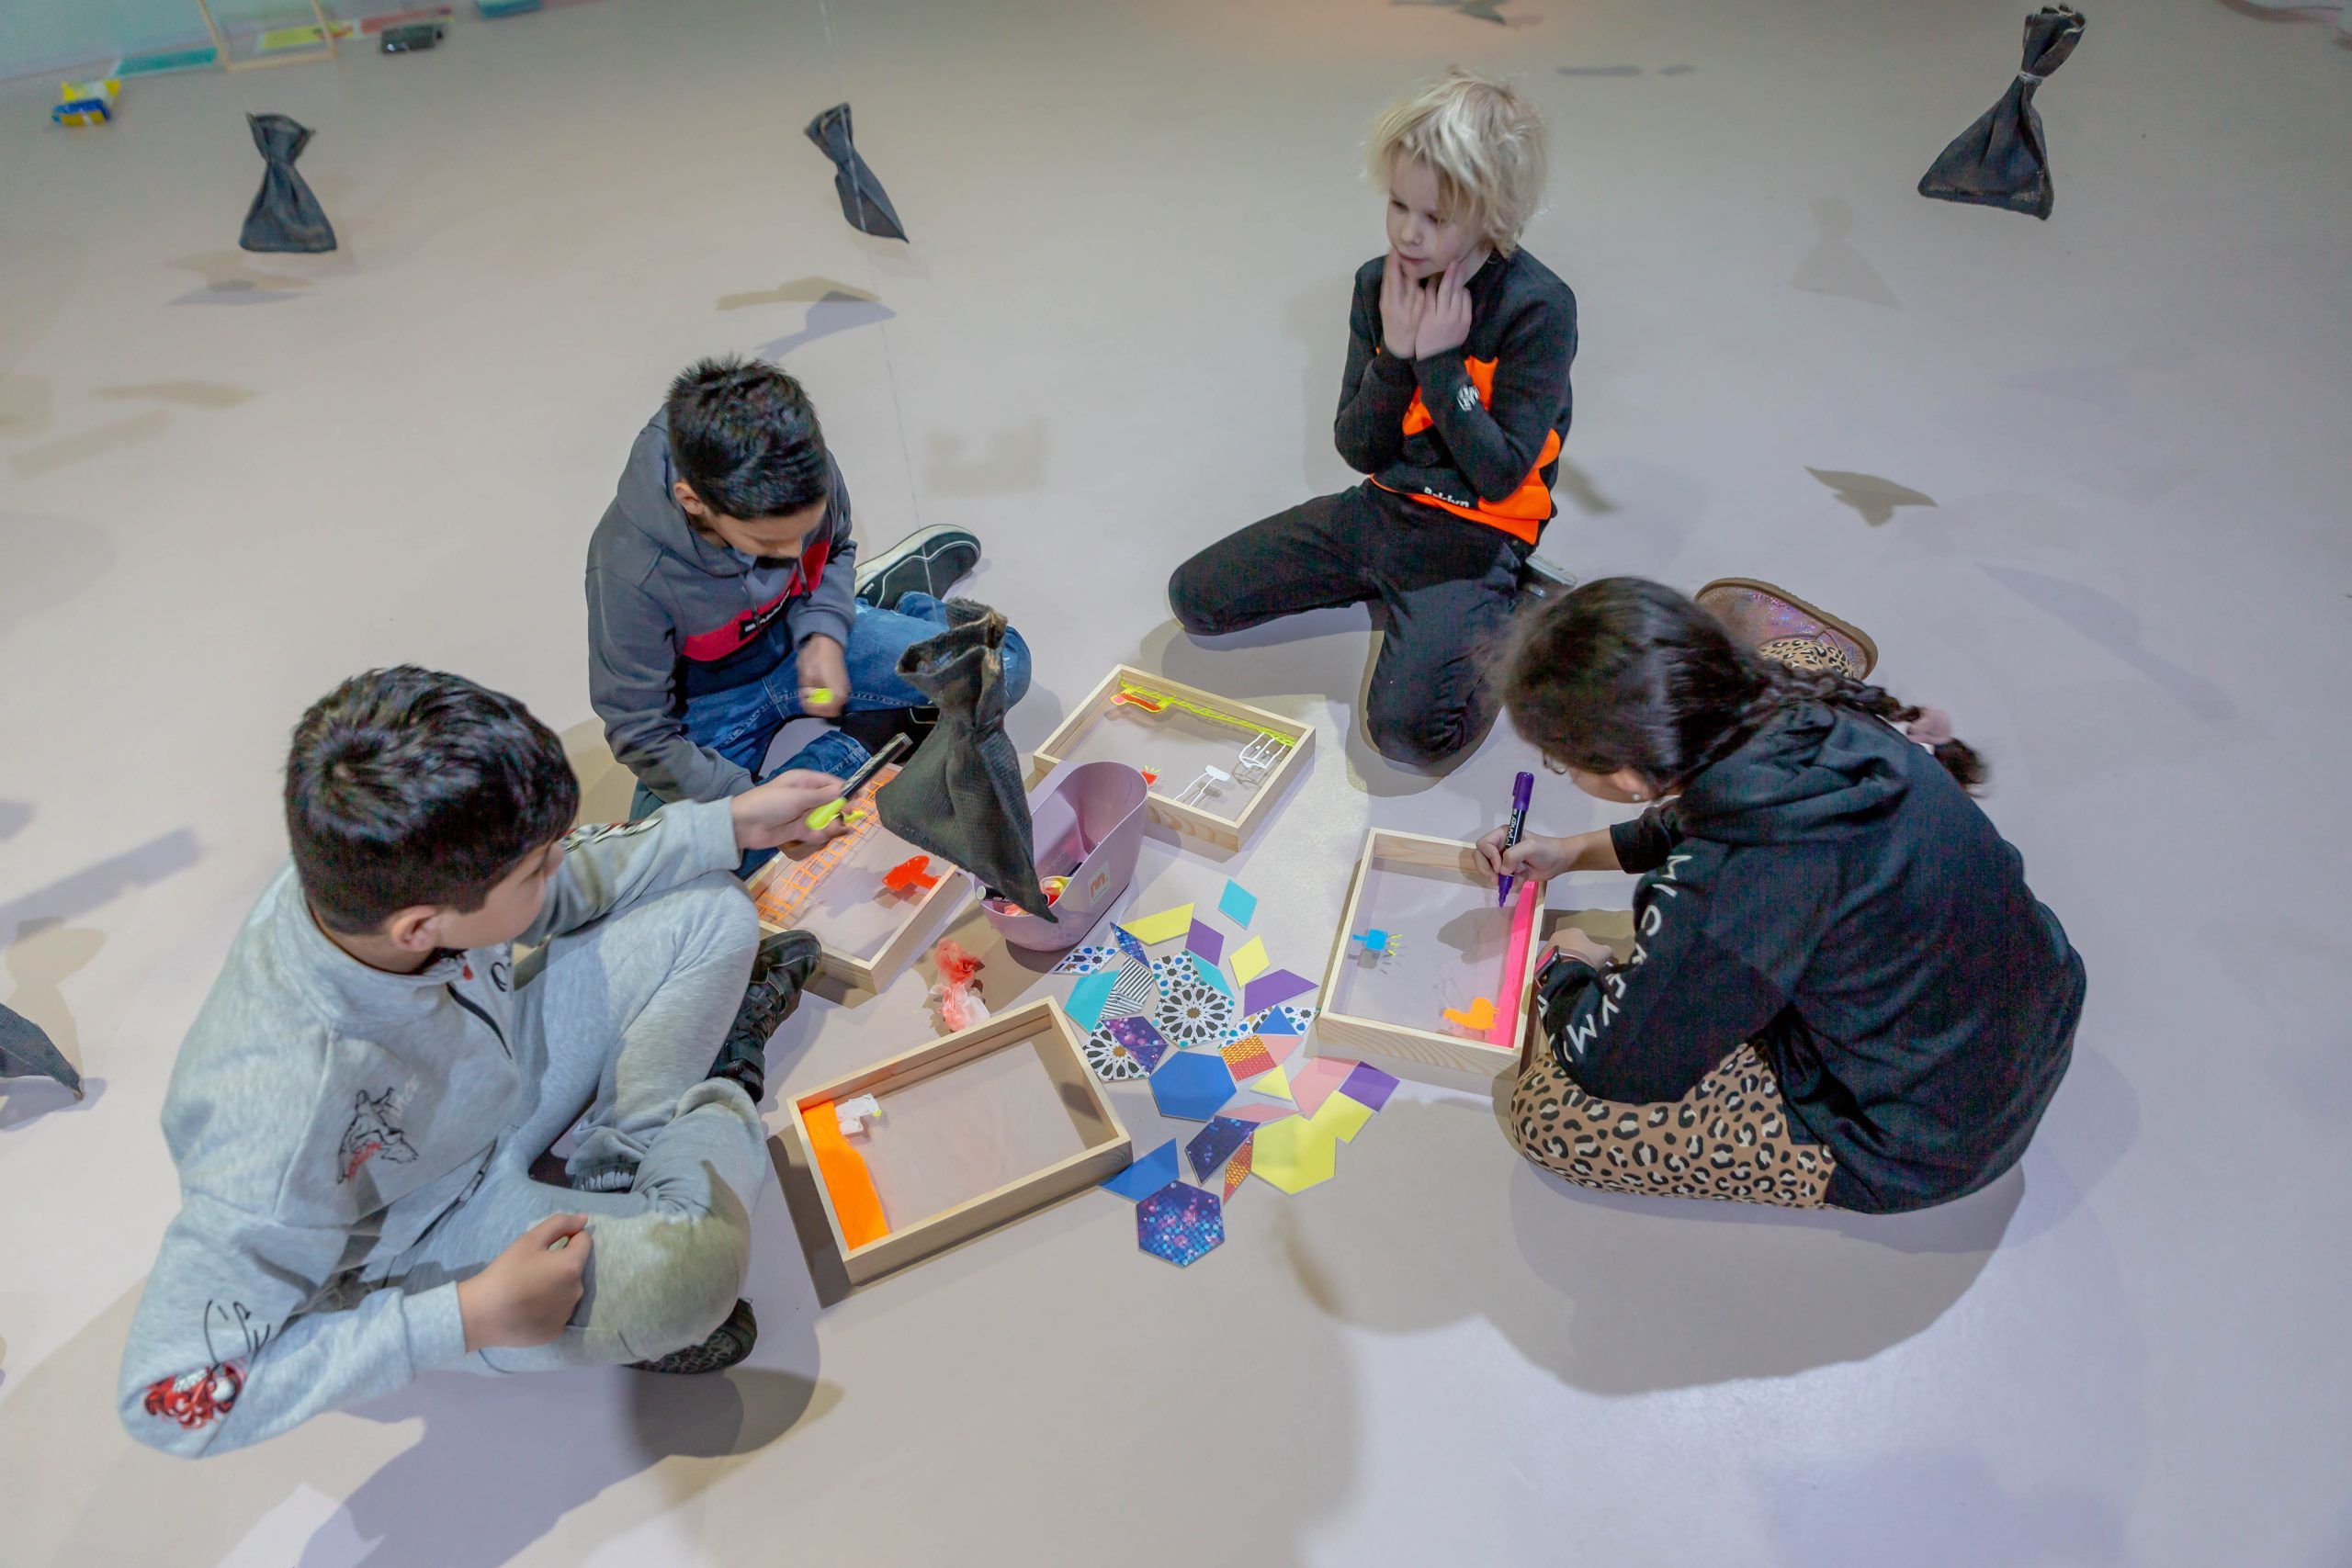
{"points": [[727, 1344], [929, 560], [783, 965]]}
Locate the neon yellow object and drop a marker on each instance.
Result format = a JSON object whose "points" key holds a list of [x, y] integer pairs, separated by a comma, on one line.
{"points": [[1151, 701]]}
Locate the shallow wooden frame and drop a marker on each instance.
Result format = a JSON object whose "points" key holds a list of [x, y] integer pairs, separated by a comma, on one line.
{"points": [[324, 50], [1403, 1049], [926, 917], [1229, 832], [1108, 1150]]}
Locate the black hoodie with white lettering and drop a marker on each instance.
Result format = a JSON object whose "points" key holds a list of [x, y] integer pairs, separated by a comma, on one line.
{"points": [[1829, 892]]}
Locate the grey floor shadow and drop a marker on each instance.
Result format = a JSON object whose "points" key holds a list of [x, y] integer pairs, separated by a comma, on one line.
{"points": [[1317, 321], [1873, 498], [238, 271], [1582, 493], [1676, 70], [1012, 462], [606, 789], [159, 858], [1477, 10], [26, 1100], [1834, 266], [2115, 627], [14, 815], [235, 292], [1614, 1294], [99, 441], [25, 405], [1600, 70], [50, 561], [836, 312], [184, 394], [799, 291]]}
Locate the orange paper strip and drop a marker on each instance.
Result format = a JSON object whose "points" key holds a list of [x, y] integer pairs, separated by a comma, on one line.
{"points": [[848, 1183]]}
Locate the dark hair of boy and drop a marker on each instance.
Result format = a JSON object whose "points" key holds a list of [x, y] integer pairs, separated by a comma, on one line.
{"points": [[1624, 673], [744, 435], [408, 786]]}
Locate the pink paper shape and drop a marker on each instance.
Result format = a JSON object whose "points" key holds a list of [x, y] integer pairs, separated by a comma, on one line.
{"points": [[1314, 1083], [1368, 1087], [1272, 987], [1204, 941], [1259, 1114]]}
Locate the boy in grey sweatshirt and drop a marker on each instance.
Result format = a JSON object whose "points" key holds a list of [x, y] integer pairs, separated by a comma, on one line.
{"points": [[356, 1113]]}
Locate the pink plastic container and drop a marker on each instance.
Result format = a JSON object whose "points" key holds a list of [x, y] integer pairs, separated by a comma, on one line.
{"points": [[1089, 819]]}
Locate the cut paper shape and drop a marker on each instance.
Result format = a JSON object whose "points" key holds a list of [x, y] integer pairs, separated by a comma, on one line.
{"points": [[910, 876], [1237, 1170], [1259, 1114], [1214, 1144], [1276, 1083], [1165, 926], [1248, 1057], [1193, 1011], [1317, 1081], [1368, 1087], [1130, 946], [1283, 1021], [1146, 1176], [1204, 941], [1341, 1117], [1146, 1043], [1238, 904], [1134, 993], [1193, 1085], [1275, 986], [1180, 1223], [1279, 1046], [1378, 944], [864, 201], [1114, 1060], [1294, 1154], [1088, 998], [1209, 974], [848, 1183], [1086, 960], [1477, 1021], [1250, 960]]}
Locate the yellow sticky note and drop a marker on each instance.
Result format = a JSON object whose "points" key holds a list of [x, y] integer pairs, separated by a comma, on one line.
{"points": [[1341, 1117], [1294, 1154], [1165, 926], [1276, 1083], [1250, 960]]}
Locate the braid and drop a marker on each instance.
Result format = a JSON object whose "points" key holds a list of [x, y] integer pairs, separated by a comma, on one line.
{"points": [[1834, 688]]}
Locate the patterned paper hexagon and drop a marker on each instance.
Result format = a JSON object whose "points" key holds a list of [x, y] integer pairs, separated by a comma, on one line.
{"points": [[1180, 1223]]}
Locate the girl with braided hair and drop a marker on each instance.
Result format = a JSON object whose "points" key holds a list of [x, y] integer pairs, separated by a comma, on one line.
{"points": [[1841, 991]]}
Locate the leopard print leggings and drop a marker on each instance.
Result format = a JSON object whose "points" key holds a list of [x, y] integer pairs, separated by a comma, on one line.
{"points": [[1730, 1137]]}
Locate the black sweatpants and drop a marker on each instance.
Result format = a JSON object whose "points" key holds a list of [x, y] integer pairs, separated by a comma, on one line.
{"points": [[1442, 587]]}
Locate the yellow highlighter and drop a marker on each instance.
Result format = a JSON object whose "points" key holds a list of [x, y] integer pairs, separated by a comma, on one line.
{"points": [[834, 810], [818, 696]]}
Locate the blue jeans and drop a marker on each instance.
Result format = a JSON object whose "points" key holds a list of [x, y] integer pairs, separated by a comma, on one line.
{"points": [[740, 722]]}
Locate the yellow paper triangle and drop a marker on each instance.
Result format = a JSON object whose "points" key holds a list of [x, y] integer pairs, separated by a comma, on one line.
{"points": [[1250, 960], [1276, 1083], [1165, 926]]}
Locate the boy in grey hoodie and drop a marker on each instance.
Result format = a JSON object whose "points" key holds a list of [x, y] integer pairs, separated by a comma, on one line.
{"points": [[356, 1114], [725, 596]]}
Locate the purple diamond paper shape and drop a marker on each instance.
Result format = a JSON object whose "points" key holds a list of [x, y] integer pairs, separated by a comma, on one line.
{"points": [[1367, 1086], [1205, 942]]}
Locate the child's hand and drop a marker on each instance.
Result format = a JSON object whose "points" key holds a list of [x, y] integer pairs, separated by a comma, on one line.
{"points": [[1575, 945], [1400, 308], [771, 815], [823, 669], [1534, 855], [1445, 316], [528, 1294]]}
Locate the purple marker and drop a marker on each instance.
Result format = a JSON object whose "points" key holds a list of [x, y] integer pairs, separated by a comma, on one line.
{"points": [[1522, 790]]}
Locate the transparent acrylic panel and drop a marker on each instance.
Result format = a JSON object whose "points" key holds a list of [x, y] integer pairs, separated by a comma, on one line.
{"points": [[1448, 937]]}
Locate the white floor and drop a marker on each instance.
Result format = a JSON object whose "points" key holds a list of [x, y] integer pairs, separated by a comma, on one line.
{"points": [[226, 480]]}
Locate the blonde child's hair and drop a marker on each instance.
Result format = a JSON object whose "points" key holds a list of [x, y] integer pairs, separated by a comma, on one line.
{"points": [[1483, 142]]}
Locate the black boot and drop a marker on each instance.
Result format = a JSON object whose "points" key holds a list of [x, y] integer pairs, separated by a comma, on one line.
{"points": [[727, 1344], [783, 965]]}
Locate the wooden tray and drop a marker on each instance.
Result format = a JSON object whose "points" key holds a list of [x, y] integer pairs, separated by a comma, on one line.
{"points": [[1083, 737], [797, 893], [1068, 1109], [1406, 1049]]}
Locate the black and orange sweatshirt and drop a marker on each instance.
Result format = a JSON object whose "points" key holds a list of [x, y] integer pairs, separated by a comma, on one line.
{"points": [[1475, 431]]}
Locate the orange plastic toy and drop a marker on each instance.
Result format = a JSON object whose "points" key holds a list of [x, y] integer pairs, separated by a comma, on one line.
{"points": [[910, 876]]}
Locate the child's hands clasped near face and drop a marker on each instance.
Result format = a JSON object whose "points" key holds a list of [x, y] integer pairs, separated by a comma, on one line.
{"points": [[1433, 255]]}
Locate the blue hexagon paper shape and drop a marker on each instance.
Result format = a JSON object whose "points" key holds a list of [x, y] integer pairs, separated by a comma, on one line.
{"points": [[1192, 1084], [1180, 1223]]}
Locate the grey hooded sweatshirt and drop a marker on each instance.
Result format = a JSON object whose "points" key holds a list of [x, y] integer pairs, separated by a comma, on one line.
{"points": [[323, 1114], [672, 615]]}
